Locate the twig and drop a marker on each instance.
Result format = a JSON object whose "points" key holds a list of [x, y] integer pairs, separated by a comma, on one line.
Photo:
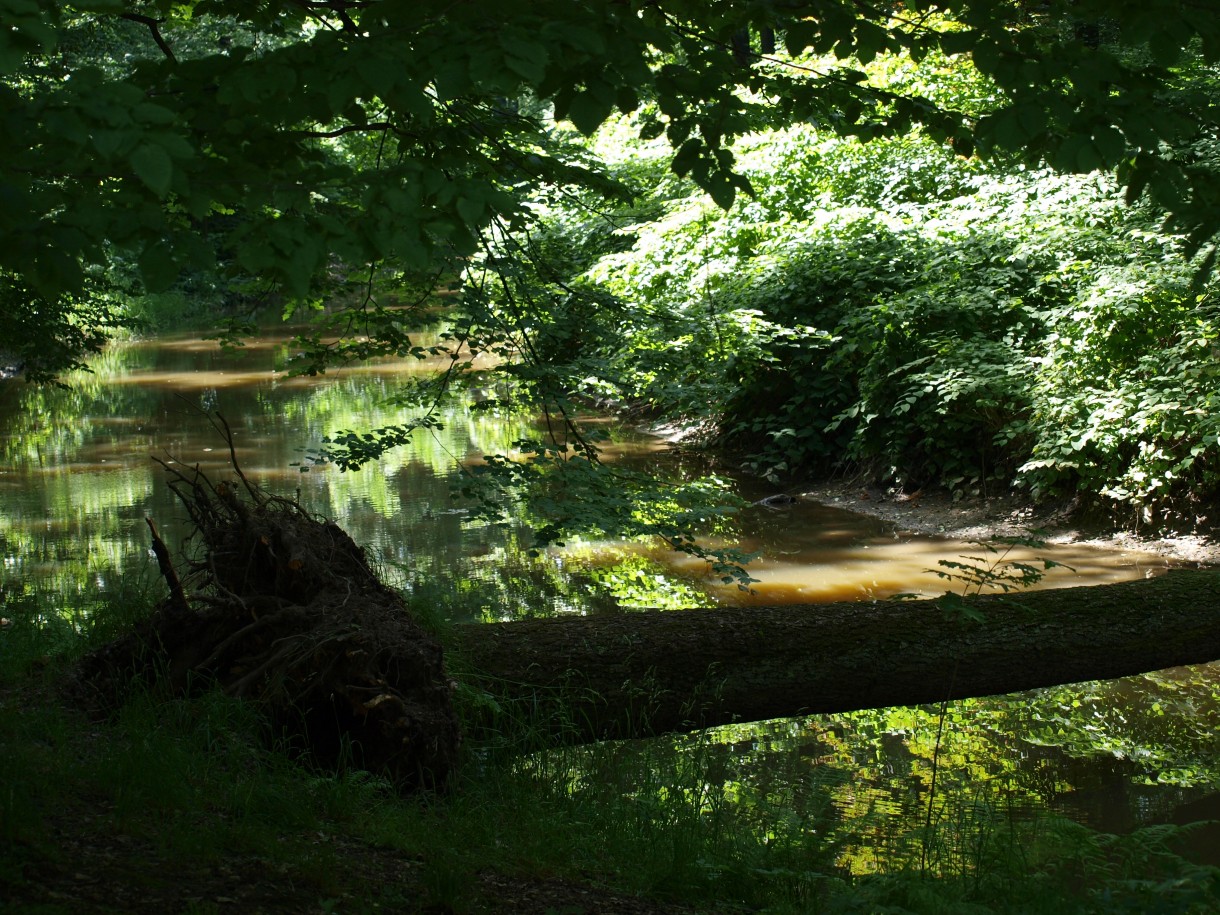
{"points": [[383, 126], [238, 688], [261, 623], [165, 563], [253, 490], [154, 26]]}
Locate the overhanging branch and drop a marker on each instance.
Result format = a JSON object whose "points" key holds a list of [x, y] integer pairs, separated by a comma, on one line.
{"points": [[378, 127], [154, 26]]}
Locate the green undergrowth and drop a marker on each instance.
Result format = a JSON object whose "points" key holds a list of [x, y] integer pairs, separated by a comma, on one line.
{"points": [[732, 820], [893, 309]]}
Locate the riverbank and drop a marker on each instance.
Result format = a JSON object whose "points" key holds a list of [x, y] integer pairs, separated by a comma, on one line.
{"points": [[1006, 515], [176, 805]]}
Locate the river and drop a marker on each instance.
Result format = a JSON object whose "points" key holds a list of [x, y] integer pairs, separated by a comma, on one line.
{"points": [[78, 482]]}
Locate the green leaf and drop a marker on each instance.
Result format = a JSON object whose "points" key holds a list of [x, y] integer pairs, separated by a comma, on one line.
{"points": [[532, 70], [1166, 47], [525, 58], [149, 113], [382, 74], [471, 209], [956, 607], [1007, 130], [722, 190], [581, 38], [957, 42], [588, 111], [55, 273], [687, 155], [1110, 143], [871, 40], [799, 35], [986, 56], [301, 266], [67, 124], [154, 167], [110, 143], [1032, 118], [157, 267]]}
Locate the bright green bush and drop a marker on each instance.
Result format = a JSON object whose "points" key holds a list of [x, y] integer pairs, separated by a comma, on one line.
{"points": [[1127, 395], [897, 310]]}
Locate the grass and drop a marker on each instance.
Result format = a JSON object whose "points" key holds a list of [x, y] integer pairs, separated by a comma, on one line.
{"points": [[179, 804]]}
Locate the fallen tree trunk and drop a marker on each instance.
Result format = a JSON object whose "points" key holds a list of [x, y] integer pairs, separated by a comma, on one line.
{"points": [[283, 608], [589, 678]]}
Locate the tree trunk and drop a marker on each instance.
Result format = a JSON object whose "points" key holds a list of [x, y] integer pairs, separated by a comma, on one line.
{"points": [[637, 674]]}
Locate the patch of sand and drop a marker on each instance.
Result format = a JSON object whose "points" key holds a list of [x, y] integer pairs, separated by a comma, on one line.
{"points": [[1005, 516]]}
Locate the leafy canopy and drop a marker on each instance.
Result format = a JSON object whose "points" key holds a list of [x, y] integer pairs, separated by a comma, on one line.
{"points": [[300, 145]]}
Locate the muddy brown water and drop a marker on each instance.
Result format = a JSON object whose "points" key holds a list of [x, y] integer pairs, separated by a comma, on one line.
{"points": [[77, 482]]}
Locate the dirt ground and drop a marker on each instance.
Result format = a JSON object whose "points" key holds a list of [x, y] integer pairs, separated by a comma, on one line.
{"points": [[85, 861], [1008, 515]]}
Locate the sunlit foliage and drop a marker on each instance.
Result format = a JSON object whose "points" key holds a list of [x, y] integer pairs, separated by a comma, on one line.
{"points": [[894, 309]]}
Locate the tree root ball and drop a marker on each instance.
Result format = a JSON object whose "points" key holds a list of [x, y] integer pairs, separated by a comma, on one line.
{"points": [[283, 609]]}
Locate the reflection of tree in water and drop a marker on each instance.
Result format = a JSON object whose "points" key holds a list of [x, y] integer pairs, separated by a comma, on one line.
{"points": [[82, 481], [1081, 750], [855, 786]]}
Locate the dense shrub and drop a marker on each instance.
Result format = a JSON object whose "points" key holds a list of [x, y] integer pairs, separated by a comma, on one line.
{"points": [[894, 309]]}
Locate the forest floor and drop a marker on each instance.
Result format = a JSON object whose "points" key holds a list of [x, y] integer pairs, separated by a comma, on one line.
{"points": [[73, 842], [100, 870], [1005, 516]]}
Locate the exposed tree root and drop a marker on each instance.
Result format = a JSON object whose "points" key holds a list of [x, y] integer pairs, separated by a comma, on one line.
{"points": [[282, 607]]}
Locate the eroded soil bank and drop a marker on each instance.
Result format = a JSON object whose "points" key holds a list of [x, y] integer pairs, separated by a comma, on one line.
{"points": [[1005, 515]]}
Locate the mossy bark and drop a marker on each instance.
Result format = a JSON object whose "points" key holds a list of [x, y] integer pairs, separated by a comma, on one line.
{"points": [[646, 673]]}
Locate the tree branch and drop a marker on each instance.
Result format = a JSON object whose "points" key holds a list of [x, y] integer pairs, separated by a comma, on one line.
{"points": [[337, 8], [350, 128], [154, 26]]}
